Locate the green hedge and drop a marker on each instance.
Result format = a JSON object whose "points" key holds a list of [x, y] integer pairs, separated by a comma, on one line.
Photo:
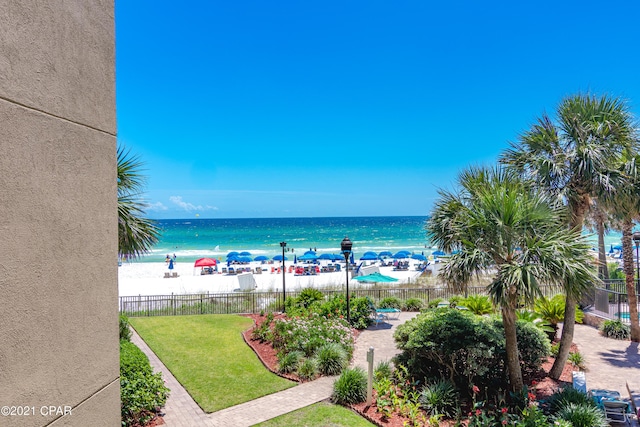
{"points": [[141, 391]]}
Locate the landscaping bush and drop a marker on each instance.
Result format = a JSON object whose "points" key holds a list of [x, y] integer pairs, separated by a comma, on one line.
{"points": [[350, 387], [141, 391], [566, 396], [263, 332], [581, 415], [360, 310], [440, 397], [434, 303], [331, 358], [309, 334], [125, 331], [413, 304], [307, 369], [306, 302], [615, 329], [533, 345], [577, 360], [288, 362], [390, 302], [382, 370], [478, 304]]}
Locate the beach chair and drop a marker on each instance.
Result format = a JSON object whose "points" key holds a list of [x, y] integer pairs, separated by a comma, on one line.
{"points": [[258, 270], [633, 402], [174, 274], [224, 270], [615, 411], [167, 275]]}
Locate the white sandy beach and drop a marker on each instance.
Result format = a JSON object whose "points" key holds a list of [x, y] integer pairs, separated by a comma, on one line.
{"points": [[148, 279]]}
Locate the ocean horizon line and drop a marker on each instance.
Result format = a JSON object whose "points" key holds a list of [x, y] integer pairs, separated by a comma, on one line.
{"points": [[294, 217]]}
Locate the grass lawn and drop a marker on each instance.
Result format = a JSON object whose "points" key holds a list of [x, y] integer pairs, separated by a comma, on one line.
{"points": [[321, 414], [207, 354]]}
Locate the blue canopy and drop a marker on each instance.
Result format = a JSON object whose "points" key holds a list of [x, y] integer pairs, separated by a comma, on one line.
{"points": [[369, 256], [438, 253], [310, 253], [260, 258], [327, 256], [400, 255], [233, 257], [230, 254], [279, 258], [384, 254], [375, 278], [244, 259], [245, 253], [419, 257], [308, 257]]}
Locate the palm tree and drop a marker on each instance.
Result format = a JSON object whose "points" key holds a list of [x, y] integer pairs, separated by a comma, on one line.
{"points": [[501, 225], [136, 234], [625, 208], [598, 221], [575, 160]]}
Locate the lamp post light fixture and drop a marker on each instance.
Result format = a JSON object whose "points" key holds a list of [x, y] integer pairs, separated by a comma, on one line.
{"points": [[636, 240], [346, 246], [284, 293]]}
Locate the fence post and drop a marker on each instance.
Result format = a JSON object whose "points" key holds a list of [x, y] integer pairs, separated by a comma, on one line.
{"points": [[619, 306]]}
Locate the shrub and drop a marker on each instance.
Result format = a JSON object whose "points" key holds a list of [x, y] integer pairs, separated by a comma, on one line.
{"points": [[455, 300], [263, 332], [308, 369], [555, 348], [615, 329], [581, 415], [434, 303], [309, 334], [390, 302], [413, 304], [478, 304], [360, 310], [577, 360], [306, 302], [440, 398], [350, 387], [382, 370], [566, 396], [288, 362], [332, 359], [125, 330], [533, 345], [141, 391]]}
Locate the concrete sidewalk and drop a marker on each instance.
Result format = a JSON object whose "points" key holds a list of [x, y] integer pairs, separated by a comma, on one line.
{"points": [[182, 411]]}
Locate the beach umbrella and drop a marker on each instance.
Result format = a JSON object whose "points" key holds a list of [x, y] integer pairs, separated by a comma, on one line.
{"points": [[369, 257], [330, 257], [309, 256], [231, 254], [205, 262], [371, 253], [171, 264], [384, 254], [233, 257], [404, 252], [375, 278], [295, 259], [260, 258], [244, 259], [279, 258], [310, 253], [419, 257], [352, 259], [245, 253], [400, 255], [438, 253]]}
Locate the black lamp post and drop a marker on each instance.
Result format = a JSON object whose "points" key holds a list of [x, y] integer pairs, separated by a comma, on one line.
{"points": [[346, 246], [636, 240], [284, 293]]}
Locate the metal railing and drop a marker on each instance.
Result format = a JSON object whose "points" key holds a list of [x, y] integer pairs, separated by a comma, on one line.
{"points": [[612, 300], [255, 302]]}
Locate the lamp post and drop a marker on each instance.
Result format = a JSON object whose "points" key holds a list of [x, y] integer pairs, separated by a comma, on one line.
{"points": [[346, 246], [284, 293], [636, 240]]}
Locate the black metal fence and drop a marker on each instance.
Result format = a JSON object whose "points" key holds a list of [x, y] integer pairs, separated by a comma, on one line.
{"points": [[255, 302], [612, 300]]}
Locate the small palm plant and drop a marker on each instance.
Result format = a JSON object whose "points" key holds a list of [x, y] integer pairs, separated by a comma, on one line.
{"points": [[478, 304]]}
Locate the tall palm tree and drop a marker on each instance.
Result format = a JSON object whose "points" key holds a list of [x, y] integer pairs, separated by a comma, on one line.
{"points": [[625, 209], [501, 225], [598, 221], [576, 159], [136, 234]]}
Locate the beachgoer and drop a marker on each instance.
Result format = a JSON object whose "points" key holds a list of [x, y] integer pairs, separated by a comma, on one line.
{"points": [[167, 259]]}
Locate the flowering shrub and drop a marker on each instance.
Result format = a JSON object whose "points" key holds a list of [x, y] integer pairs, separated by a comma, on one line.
{"points": [[360, 310], [309, 334]]}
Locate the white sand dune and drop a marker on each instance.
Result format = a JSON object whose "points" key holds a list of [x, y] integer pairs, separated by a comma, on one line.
{"points": [[148, 279]]}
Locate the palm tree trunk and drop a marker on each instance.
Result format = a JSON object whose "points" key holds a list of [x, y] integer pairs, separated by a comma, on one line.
{"points": [[511, 346], [568, 327], [627, 257], [603, 270]]}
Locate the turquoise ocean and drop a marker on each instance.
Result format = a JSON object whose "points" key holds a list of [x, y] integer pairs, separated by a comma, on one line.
{"points": [[190, 239]]}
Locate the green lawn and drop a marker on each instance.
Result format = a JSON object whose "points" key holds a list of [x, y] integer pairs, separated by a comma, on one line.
{"points": [[207, 354], [321, 414]]}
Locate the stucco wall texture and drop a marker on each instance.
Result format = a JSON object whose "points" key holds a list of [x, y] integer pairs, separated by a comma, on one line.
{"points": [[59, 353]]}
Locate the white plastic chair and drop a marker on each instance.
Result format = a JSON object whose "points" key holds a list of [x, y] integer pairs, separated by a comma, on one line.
{"points": [[615, 411]]}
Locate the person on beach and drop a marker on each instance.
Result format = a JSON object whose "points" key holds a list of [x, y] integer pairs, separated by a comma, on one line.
{"points": [[167, 259]]}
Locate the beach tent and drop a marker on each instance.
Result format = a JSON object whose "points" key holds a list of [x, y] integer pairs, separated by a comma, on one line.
{"points": [[375, 278], [205, 262]]}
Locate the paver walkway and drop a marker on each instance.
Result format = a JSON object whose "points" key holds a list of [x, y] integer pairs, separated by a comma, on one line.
{"points": [[182, 411], [610, 364]]}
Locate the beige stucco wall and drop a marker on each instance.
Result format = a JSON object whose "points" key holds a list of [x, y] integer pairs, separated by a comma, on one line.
{"points": [[58, 213]]}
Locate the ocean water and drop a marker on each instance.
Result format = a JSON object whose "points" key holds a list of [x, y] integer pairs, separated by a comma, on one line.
{"points": [[191, 239]]}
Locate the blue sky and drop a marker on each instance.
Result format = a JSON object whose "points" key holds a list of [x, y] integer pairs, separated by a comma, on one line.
{"points": [[348, 108]]}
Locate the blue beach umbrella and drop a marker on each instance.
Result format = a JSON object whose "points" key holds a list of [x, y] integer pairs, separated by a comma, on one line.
{"points": [[419, 257], [438, 253], [245, 253], [279, 258], [326, 256], [309, 256], [260, 258], [369, 257], [400, 255], [170, 264], [244, 259], [385, 254], [231, 254]]}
